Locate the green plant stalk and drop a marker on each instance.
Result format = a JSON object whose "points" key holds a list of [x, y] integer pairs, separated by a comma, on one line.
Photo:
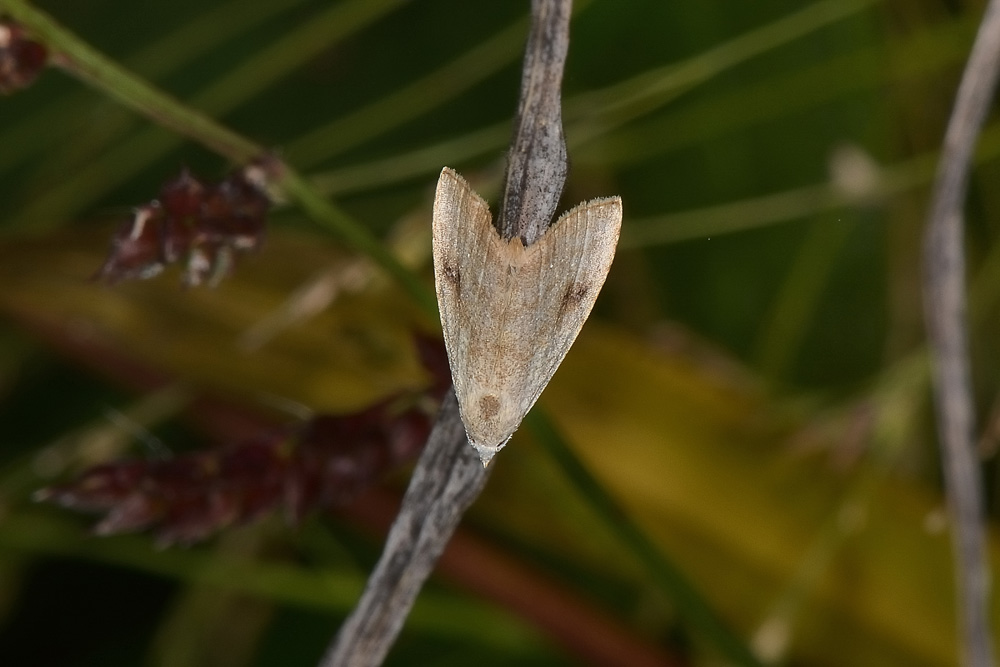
{"points": [[659, 86], [664, 84], [101, 72], [840, 524], [325, 212], [36, 533], [92, 67], [783, 328], [612, 107], [430, 91], [864, 70], [691, 606], [116, 165], [413, 164], [804, 202], [416, 98], [895, 399], [167, 54]]}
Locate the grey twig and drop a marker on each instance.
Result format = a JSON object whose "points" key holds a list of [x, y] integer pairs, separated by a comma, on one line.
{"points": [[449, 475], [536, 164], [944, 293]]}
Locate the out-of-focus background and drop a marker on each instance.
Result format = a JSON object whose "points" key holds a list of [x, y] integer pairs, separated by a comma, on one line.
{"points": [[752, 387]]}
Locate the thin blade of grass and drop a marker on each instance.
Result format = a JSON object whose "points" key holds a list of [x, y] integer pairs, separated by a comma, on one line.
{"points": [[120, 163], [691, 606], [34, 133]]}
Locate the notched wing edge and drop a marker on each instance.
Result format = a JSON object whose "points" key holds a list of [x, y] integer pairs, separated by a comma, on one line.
{"points": [[614, 202]]}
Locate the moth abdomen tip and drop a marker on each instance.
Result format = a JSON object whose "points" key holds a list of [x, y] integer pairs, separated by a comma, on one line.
{"points": [[485, 452]]}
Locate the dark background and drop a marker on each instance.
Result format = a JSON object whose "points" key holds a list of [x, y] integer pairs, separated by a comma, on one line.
{"points": [[752, 387]]}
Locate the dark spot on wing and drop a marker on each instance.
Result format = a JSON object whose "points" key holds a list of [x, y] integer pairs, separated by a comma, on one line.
{"points": [[489, 406], [452, 275], [574, 294]]}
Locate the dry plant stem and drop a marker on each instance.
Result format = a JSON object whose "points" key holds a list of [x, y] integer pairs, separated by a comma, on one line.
{"points": [[447, 479], [536, 164], [449, 476], [944, 291]]}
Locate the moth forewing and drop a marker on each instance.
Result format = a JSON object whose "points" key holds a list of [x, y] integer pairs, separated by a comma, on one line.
{"points": [[510, 313], [577, 255]]}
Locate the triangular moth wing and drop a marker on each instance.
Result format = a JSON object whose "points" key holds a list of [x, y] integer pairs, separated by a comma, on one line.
{"points": [[510, 313]]}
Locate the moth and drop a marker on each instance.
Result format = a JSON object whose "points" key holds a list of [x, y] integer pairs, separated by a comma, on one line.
{"points": [[510, 313]]}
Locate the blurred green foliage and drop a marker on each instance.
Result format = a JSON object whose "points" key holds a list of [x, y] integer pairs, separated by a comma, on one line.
{"points": [[753, 387]]}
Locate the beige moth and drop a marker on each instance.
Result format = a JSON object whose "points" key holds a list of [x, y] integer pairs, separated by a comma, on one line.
{"points": [[510, 313]]}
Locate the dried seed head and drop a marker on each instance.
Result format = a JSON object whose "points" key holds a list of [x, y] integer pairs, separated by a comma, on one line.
{"points": [[203, 224], [21, 58]]}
